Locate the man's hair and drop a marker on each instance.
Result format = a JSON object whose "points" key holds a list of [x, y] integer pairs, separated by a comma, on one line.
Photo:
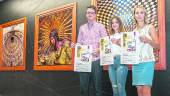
{"points": [[93, 7]]}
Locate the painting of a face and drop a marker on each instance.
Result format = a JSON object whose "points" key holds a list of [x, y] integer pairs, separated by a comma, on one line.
{"points": [[55, 31], [52, 39]]}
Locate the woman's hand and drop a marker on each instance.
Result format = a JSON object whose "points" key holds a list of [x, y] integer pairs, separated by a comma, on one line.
{"points": [[144, 39], [116, 41], [97, 50]]}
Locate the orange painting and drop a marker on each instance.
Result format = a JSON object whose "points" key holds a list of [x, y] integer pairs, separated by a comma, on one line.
{"points": [[55, 31], [13, 45]]}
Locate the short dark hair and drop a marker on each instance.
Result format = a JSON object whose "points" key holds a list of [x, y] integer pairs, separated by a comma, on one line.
{"points": [[93, 7]]}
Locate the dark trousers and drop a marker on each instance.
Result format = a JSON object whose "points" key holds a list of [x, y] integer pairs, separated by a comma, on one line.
{"points": [[95, 76]]}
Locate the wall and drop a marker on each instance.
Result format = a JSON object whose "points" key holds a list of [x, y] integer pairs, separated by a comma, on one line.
{"points": [[59, 83]]}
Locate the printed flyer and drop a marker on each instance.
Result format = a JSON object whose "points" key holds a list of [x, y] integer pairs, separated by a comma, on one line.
{"points": [[83, 58]]}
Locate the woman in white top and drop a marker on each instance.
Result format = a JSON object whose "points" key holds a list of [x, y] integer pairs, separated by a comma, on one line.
{"points": [[142, 73]]}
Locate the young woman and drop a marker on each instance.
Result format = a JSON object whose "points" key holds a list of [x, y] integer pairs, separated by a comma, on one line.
{"points": [[59, 52], [117, 72], [142, 73]]}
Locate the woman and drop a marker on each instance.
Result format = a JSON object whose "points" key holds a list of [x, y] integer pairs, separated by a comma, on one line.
{"points": [[63, 51], [117, 72], [142, 73], [59, 52], [56, 42]]}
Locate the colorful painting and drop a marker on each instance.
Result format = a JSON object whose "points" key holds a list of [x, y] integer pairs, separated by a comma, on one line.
{"points": [[54, 34], [13, 45]]}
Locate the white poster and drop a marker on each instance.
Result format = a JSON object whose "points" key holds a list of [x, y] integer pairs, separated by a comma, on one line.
{"points": [[106, 56], [129, 53], [83, 58]]}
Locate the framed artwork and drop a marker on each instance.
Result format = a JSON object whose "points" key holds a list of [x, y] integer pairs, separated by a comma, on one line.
{"points": [[13, 45], [124, 9], [55, 32]]}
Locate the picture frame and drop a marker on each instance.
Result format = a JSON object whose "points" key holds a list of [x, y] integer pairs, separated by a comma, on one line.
{"points": [[124, 9], [55, 32], [13, 45]]}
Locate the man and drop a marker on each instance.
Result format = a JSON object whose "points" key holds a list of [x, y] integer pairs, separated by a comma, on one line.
{"points": [[89, 34]]}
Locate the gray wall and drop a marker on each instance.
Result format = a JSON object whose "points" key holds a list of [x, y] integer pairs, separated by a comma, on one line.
{"points": [[59, 83]]}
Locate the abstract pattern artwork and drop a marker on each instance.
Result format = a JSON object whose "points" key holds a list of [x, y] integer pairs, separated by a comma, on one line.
{"points": [[124, 9]]}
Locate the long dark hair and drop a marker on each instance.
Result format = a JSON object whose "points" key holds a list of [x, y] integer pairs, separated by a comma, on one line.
{"points": [[54, 34]]}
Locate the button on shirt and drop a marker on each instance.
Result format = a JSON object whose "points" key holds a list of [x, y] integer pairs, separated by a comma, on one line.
{"points": [[90, 34]]}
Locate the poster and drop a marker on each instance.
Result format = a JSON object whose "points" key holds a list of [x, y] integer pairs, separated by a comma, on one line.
{"points": [[129, 52], [83, 58], [106, 56]]}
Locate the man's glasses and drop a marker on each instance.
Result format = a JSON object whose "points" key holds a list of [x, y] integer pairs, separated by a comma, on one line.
{"points": [[90, 13]]}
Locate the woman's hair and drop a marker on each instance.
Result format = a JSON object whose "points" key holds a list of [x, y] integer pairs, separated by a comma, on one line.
{"points": [[144, 9], [121, 28], [54, 34]]}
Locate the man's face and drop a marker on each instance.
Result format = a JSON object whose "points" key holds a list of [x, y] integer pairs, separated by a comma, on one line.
{"points": [[90, 14]]}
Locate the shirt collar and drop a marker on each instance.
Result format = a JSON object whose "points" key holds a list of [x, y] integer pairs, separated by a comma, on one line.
{"points": [[90, 24]]}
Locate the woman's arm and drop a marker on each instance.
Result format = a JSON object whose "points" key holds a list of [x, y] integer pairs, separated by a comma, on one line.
{"points": [[154, 42]]}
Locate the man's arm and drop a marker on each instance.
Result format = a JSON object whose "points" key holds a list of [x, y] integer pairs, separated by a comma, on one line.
{"points": [[80, 37], [103, 31]]}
